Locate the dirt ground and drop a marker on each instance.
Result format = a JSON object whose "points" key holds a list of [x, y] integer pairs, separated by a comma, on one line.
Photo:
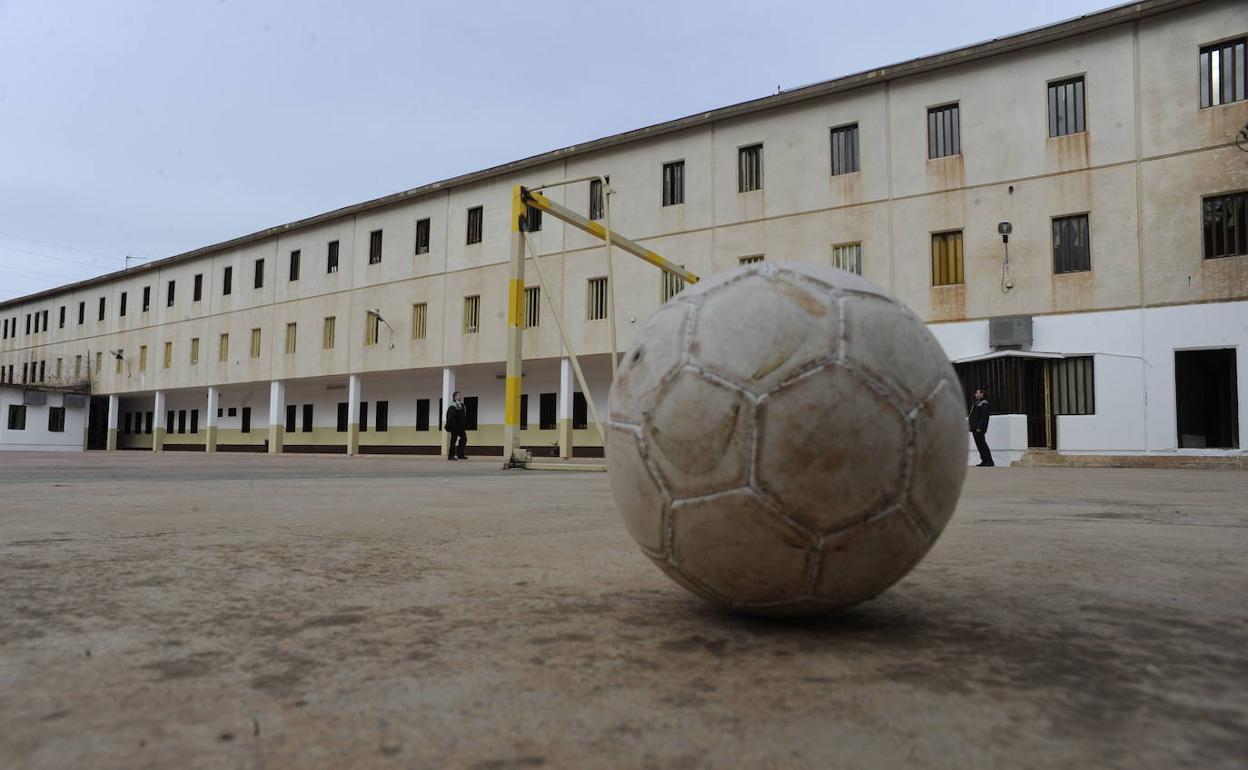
{"points": [[243, 611]]}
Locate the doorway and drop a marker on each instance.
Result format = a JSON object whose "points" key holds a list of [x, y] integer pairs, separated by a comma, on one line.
{"points": [[97, 424], [1206, 399]]}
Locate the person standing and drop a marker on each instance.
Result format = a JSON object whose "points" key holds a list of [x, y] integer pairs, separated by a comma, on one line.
{"points": [[977, 420], [456, 425]]}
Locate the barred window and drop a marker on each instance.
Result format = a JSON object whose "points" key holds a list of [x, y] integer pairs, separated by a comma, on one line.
{"points": [[476, 215], [1066, 107], [170, 294], [1222, 73], [327, 332], [56, 419], [1071, 251], [374, 247], [596, 203], [255, 343], [143, 358], [292, 336], [750, 260], [223, 348], [1074, 387], [168, 359], [197, 290], [295, 257], [596, 299], [121, 309], [194, 351], [372, 327], [674, 183], [947, 258], [532, 219], [671, 285], [848, 257], [532, 307], [1225, 220], [845, 149], [422, 236], [750, 168], [227, 285], [331, 257], [944, 132], [258, 283], [472, 314], [420, 320]]}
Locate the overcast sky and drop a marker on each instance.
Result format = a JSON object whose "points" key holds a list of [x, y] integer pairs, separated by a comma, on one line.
{"points": [[152, 127]]}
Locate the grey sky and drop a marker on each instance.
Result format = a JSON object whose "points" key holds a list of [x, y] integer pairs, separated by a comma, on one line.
{"points": [[151, 127]]}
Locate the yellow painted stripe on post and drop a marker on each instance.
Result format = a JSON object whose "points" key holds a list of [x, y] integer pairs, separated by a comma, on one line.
{"points": [[511, 402], [515, 302]]}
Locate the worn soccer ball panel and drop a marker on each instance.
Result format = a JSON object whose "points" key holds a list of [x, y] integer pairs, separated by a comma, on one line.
{"points": [[698, 435], [889, 342], [860, 562], [830, 449], [641, 501], [655, 357], [758, 331], [940, 448], [740, 549]]}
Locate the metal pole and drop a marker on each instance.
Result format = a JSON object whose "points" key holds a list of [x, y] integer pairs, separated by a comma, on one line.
{"points": [[606, 211], [515, 329]]}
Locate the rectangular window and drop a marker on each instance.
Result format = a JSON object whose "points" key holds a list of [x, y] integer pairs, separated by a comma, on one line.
{"points": [[194, 351], [596, 299], [307, 418], [750, 260], [524, 411], [1074, 388], [1066, 107], [1071, 251], [292, 417], [147, 299], [1225, 219], [60, 323], [342, 417], [580, 411], [422, 414], [98, 368], [100, 317], [119, 356], [597, 207], [77, 366], [363, 417], [1222, 73], [327, 333], [194, 421], [82, 312], [181, 421], [547, 411], [476, 216], [422, 236], [848, 257], [382, 417], [56, 419], [17, 417], [420, 320], [167, 361], [472, 314], [121, 306], [372, 327], [58, 368], [43, 370], [197, 288], [291, 335], [227, 281], [170, 293], [470, 413], [223, 348], [28, 317], [532, 307], [142, 358], [44, 315], [845, 149], [674, 183], [294, 265], [532, 219], [148, 420], [671, 284], [331, 257], [246, 426], [255, 343], [374, 247], [258, 282], [750, 168], [947, 258], [944, 132]]}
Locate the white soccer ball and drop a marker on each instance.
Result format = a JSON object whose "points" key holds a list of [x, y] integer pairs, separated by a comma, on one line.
{"points": [[786, 439]]}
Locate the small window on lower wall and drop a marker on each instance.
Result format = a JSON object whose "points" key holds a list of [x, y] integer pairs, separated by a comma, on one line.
{"points": [[470, 413], [848, 257], [56, 419], [169, 421], [1074, 386], [580, 411], [548, 411], [181, 421], [342, 416], [381, 419], [246, 419], [307, 418], [422, 414]]}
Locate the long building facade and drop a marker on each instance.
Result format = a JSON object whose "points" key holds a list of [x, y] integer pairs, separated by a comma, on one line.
{"points": [[1066, 207]]}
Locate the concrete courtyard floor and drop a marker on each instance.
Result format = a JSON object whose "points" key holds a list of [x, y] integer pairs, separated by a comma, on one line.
{"points": [[242, 611]]}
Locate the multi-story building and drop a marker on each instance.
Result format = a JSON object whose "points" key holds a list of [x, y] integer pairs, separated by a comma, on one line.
{"points": [[1116, 322]]}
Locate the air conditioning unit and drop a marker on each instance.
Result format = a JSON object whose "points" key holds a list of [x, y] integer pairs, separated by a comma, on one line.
{"points": [[34, 397], [1011, 331]]}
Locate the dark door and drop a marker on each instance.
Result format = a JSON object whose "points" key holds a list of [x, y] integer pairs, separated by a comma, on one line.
{"points": [[97, 424], [1206, 398]]}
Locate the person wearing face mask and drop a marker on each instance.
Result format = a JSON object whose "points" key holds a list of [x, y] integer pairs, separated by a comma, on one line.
{"points": [[456, 423]]}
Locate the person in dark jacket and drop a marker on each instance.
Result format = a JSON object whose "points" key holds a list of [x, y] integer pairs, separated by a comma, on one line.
{"points": [[456, 424], [977, 421]]}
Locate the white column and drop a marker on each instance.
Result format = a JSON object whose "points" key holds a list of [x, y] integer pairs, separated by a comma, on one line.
{"points": [[566, 389], [353, 414], [448, 389], [210, 441], [277, 420], [158, 422], [114, 405]]}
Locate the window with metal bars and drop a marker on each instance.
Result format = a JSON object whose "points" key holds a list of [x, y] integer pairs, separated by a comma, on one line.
{"points": [[472, 314], [670, 285], [374, 247], [223, 348], [1225, 220], [255, 343], [292, 338], [258, 282], [420, 320], [845, 149], [331, 257], [295, 256], [328, 330], [422, 236], [674, 183], [597, 209], [194, 351], [532, 219], [168, 359], [532, 307], [1222, 78], [750, 168], [1072, 251], [944, 131], [947, 258], [750, 260], [372, 328], [1074, 387], [197, 288], [476, 216], [596, 299], [227, 284], [848, 257], [1066, 107]]}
